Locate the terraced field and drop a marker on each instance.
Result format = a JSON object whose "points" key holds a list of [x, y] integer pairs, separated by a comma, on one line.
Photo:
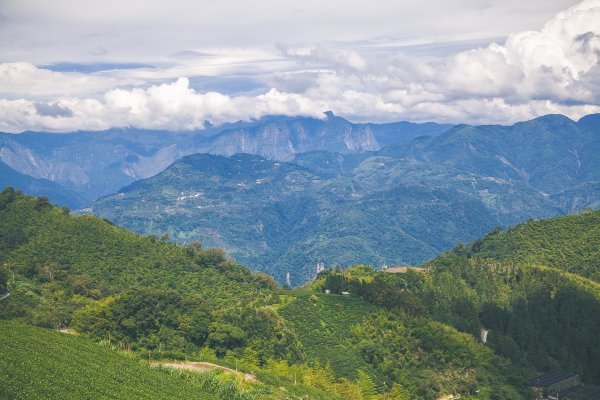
{"points": [[38, 363], [325, 329]]}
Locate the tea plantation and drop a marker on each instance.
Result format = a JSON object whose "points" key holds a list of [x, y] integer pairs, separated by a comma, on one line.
{"points": [[38, 363], [325, 328]]}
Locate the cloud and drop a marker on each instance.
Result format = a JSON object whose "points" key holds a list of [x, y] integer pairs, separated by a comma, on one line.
{"points": [[171, 106], [555, 63], [53, 110], [43, 32], [25, 79], [554, 69], [340, 58]]}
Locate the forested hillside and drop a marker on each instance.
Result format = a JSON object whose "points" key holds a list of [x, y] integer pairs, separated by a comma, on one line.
{"points": [[108, 282], [166, 301], [278, 217], [570, 242], [536, 315]]}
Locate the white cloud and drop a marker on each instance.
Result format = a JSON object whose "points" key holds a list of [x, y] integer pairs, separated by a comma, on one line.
{"points": [[551, 70], [25, 79], [173, 106], [43, 32], [340, 58], [553, 63]]}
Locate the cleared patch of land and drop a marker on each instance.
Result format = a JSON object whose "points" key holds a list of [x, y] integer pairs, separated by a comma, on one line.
{"points": [[403, 269], [204, 366]]}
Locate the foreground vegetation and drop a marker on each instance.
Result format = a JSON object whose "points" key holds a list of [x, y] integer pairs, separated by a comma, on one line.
{"points": [[540, 317], [401, 336], [111, 284], [40, 364]]}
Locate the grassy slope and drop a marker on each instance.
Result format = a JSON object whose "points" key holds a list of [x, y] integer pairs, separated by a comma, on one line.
{"points": [[324, 327], [37, 363], [570, 242]]}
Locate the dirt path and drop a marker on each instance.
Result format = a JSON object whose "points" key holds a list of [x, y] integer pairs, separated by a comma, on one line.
{"points": [[204, 366], [68, 331], [5, 295]]}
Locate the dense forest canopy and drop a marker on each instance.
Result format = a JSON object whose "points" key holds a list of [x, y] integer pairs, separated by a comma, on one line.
{"points": [[407, 335], [540, 315]]}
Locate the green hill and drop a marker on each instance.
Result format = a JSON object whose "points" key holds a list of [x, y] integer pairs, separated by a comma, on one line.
{"points": [[38, 363], [527, 287], [396, 335], [109, 283], [570, 242], [325, 329], [416, 356]]}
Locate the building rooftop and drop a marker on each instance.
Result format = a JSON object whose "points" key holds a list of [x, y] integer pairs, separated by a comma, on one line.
{"points": [[581, 392], [550, 378]]}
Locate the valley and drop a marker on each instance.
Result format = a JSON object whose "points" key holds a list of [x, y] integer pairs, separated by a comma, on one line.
{"points": [[403, 204]]}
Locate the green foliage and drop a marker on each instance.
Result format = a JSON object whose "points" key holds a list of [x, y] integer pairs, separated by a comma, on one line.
{"points": [[543, 315], [539, 317], [40, 364], [366, 385], [395, 335], [570, 242], [3, 278], [111, 284], [223, 337], [391, 353], [325, 329]]}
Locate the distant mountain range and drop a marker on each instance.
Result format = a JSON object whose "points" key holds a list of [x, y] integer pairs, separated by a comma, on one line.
{"points": [[94, 164], [402, 204], [38, 187]]}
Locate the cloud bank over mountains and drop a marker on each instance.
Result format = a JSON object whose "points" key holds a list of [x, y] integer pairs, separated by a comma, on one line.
{"points": [[555, 69]]}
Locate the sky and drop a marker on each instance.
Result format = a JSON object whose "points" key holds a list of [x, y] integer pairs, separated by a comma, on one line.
{"points": [[70, 65]]}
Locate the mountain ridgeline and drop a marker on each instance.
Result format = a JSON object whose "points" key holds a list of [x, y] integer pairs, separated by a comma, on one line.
{"points": [[94, 164], [403, 204]]}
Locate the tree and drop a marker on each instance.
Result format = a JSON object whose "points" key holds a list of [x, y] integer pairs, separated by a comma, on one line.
{"points": [[250, 357], [195, 325], [7, 196], [507, 347], [41, 203], [223, 337]]}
